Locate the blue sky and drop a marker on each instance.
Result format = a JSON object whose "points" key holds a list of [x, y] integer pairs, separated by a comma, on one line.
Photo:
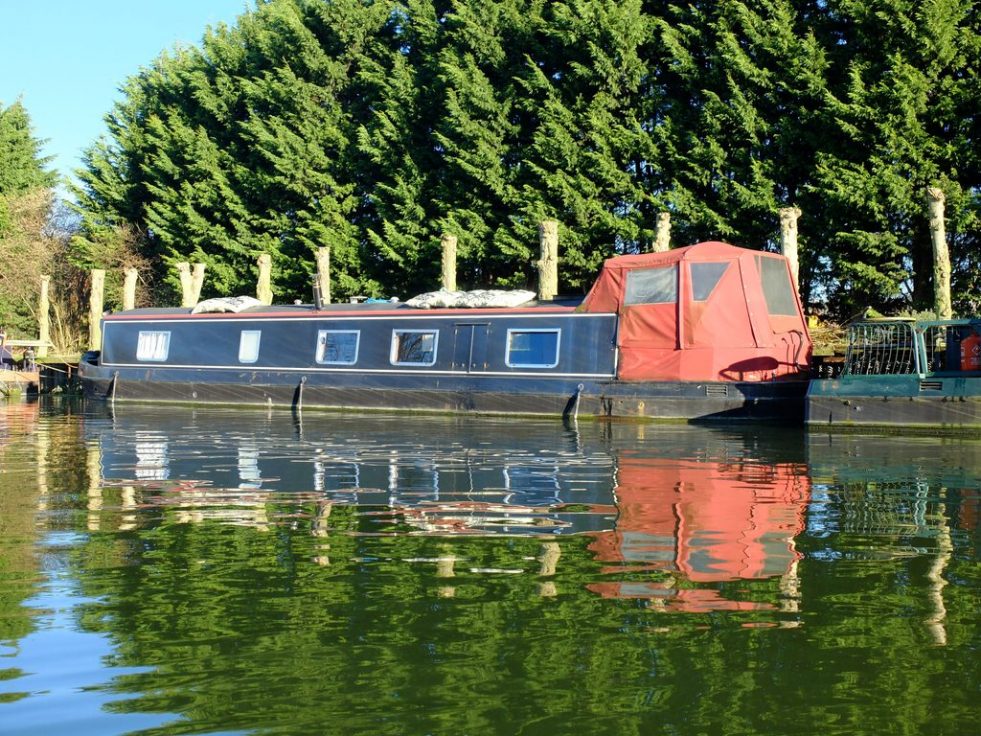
{"points": [[66, 59]]}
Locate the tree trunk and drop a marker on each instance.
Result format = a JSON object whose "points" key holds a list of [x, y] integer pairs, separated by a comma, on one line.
{"points": [[197, 281], [184, 273], [941, 255], [129, 288], [44, 318], [95, 308], [323, 274], [263, 290], [448, 243], [788, 240], [662, 241], [548, 266], [191, 283]]}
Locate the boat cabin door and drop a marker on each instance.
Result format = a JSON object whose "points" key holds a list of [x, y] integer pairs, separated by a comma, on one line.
{"points": [[470, 347]]}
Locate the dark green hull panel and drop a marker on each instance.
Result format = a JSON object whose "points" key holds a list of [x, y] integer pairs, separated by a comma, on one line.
{"points": [[947, 402]]}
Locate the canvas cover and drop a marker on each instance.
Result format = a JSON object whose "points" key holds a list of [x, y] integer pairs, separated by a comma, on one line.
{"points": [[706, 312]]}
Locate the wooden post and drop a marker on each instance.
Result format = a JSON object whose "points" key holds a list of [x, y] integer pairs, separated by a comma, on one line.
{"points": [[788, 239], [129, 288], [323, 273], [184, 273], [44, 318], [448, 245], [95, 308], [548, 266], [549, 559], [197, 281], [941, 255], [662, 241], [190, 283], [263, 290]]}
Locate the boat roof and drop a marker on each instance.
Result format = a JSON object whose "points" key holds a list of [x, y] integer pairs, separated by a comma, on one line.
{"points": [[560, 304]]}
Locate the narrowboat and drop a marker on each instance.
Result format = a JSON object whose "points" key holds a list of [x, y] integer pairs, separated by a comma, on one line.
{"points": [[709, 331], [904, 373]]}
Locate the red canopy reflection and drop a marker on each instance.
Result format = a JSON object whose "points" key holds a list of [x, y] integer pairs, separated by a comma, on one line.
{"points": [[709, 522]]}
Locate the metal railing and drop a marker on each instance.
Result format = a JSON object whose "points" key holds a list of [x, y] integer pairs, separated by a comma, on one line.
{"points": [[904, 347], [882, 349]]}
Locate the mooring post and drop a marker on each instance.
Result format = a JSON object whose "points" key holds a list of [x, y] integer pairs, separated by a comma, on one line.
{"points": [[548, 265], [662, 240], [323, 273], [448, 246], [788, 239], [43, 318], [95, 308], [941, 255], [263, 290], [129, 288]]}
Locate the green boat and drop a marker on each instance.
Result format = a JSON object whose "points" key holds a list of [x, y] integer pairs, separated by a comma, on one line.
{"points": [[904, 373]]}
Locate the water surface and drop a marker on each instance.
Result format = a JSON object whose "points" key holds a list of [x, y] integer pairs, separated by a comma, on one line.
{"points": [[189, 571]]}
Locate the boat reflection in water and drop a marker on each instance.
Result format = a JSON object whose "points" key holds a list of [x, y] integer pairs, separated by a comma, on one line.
{"points": [[705, 521], [670, 514]]}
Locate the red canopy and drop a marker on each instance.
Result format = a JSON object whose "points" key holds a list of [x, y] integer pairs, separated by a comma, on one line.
{"points": [[707, 312]]}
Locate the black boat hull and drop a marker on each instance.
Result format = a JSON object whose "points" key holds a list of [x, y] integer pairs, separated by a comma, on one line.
{"points": [[668, 400]]}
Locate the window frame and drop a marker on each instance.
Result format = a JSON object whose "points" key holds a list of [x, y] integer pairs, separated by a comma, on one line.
{"points": [[786, 297], [634, 275], [557, 331], [697, 282], [242, 344], [394, 352], [322, 360], [143, 344]]}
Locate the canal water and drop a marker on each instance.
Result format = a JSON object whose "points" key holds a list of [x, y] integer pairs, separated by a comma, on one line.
{"points": [[205, 571]]}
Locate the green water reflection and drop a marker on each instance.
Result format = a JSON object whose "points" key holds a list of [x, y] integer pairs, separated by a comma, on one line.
{"points": [[169, 571]]}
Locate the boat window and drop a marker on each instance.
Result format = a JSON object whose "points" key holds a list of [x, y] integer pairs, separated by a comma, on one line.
{"points": [[704, 278], [777, 289], [248, 346], [414, 347], [153, 345], [532, 349], [338, 347], [652, 286]]}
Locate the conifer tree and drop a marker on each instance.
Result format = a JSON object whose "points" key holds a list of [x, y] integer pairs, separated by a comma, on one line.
{"points": [[26, 195], [373, 126], [593, 158], [398, 166], [907, 70], [22, 167]]}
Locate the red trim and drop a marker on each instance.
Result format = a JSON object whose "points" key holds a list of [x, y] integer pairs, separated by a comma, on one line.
{"points": [[328, 314]]}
